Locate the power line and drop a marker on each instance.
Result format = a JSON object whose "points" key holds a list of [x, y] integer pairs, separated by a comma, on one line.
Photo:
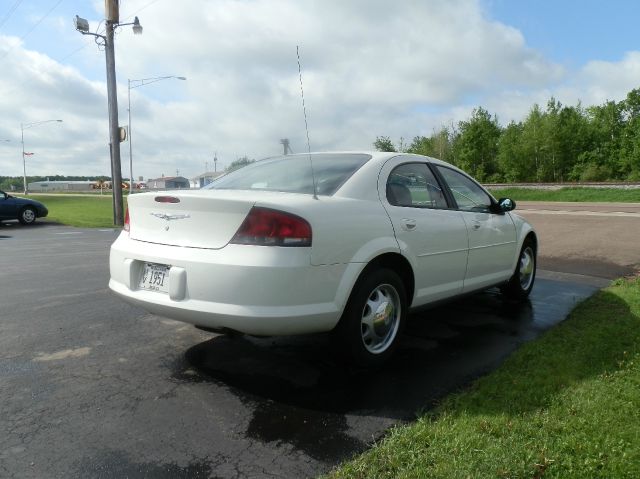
{"points": [[73, 52], [140, 9], [10, 12], [41, 20], [34, 27]]}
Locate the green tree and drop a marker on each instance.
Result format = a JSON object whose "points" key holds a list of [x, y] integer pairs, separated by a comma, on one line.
{"points": [[383, 143], [531, 144], [558, 143], [512, 162], [599, 157], [476, 146], [628, 164], [438, 145], [239, 163]]}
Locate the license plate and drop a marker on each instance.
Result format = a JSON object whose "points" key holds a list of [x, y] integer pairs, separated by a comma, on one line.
{"points": [[155, 277]]}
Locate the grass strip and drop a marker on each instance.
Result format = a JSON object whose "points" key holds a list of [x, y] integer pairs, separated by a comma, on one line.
{"points": [[611, 195], [80, 211], [566, 406]]}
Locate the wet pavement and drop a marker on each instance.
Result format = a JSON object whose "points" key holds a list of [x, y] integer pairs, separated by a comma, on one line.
{"points": [[93, 387]]}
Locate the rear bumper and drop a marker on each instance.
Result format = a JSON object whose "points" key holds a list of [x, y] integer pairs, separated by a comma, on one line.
{"points": [[252, 289]]}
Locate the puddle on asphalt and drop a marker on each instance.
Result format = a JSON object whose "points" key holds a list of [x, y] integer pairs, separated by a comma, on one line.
{"points": [[301, 394], [322, 436]]}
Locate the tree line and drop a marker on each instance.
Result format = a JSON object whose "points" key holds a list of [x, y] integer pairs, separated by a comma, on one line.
{"points": [[556, 144]]}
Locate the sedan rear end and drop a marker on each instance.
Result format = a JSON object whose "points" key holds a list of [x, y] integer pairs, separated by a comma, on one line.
{"points": [[238, 259], [215, 260]]}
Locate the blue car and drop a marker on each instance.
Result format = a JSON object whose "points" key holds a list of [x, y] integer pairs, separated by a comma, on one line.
{"points": [[22, 209]]}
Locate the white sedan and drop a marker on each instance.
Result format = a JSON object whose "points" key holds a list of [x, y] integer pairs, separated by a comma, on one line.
{"points": [[348, 242]]}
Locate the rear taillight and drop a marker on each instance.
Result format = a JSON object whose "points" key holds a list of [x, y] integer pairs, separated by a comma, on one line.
{"points": [[266, 227], [126, 220]]}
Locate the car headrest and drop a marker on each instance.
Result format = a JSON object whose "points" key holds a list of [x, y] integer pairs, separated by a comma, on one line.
{"points": [[398, 194]]}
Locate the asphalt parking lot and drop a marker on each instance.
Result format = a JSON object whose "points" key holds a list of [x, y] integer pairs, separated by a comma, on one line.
{"points": [[93, 387]]}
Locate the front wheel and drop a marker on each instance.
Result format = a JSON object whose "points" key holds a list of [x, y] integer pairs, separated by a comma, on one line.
{"points": [[521, 283], [27, 216], [373, 320]]}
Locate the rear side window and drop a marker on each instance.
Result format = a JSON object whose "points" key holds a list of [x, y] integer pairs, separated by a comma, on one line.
{"points": [[414, 185], [292, 174]]}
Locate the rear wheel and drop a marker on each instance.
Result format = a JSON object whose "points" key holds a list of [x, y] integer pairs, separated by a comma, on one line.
{"points": [[27, 215], [521, 283], [373, 320]]}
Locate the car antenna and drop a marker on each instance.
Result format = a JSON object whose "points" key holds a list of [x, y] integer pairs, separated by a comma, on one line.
{"points": [[306, 125]]}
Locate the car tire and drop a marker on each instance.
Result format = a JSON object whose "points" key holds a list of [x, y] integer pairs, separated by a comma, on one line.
{"points": [[373, 320], [27, 215], [521, 283]]}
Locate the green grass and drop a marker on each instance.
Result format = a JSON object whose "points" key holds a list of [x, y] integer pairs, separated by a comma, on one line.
{"points": [[81, 211], [565, 406], [570, 194]]}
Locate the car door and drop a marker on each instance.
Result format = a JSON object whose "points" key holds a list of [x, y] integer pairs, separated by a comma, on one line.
{"points": [[492, 235], [431, 234], [7, 206]]}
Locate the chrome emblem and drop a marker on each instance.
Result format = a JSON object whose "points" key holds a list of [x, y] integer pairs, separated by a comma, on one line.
{"points": [[166, 217]]}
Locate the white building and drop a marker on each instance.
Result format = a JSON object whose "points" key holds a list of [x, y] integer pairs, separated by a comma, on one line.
{"points": [[205, 178], [44, 186]]}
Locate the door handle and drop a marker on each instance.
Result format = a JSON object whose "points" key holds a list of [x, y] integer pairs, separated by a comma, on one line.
{"points": [[408, 224], [476, 225]]}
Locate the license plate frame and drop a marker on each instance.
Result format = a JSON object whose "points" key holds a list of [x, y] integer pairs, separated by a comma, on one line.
{"points": [[155, 277]]}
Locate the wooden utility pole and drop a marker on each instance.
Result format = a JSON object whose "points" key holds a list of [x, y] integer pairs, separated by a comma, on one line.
{"points": [[112, 19]]}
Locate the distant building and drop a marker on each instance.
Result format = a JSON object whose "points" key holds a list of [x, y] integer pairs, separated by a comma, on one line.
{"points": [[61, 185], [168, 183], [205, 178]]}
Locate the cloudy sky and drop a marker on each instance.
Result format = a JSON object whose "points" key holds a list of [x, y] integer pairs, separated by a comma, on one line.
{"points": [[370, 67]]}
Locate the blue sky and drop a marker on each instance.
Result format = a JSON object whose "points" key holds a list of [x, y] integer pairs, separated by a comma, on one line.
{"points": [[573, 32], [370, 67]]}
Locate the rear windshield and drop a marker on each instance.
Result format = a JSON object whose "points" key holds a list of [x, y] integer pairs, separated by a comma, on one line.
{"points": [[292, 174]]}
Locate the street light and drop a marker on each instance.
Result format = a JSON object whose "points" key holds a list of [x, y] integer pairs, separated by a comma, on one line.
{"points": [[138, 84], [112, 21], [26, 126]]}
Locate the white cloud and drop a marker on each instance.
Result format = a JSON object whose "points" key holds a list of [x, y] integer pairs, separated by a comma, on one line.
{"points": [[603, 81], [369, 68]]}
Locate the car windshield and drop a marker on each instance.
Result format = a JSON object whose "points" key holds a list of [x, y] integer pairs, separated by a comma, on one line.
{"points": [[292, 174]]}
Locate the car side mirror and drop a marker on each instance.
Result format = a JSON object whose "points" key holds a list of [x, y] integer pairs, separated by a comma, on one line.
{"points": [[506, 204]]}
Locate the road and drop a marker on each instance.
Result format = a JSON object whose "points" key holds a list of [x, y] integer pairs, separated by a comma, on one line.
{"points": [[93, 387], [597, 239]]}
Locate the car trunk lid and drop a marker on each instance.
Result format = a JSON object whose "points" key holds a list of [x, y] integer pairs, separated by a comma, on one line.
{"points": [[195, 219]]}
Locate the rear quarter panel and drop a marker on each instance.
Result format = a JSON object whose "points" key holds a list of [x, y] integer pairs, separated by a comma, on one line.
{"points": [[345, 230]]}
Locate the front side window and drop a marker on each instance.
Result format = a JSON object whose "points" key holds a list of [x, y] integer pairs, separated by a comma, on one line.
{"points": [[292, 174], [414, 185], [467, 193]]}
